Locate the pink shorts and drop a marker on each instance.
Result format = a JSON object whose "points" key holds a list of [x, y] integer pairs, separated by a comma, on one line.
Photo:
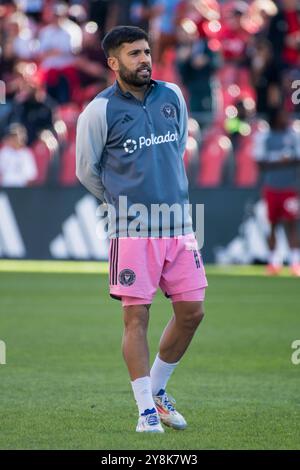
{"points": [[138, 266]]}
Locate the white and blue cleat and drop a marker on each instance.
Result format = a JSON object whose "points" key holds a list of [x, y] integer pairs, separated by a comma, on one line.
{"points": [[149, 422], [167, 412]]}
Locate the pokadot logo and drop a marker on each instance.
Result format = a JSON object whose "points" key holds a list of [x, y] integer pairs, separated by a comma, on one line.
{"points": [[130, 146]]}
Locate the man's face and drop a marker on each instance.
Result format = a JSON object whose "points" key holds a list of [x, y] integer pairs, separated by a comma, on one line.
{"points": [[133, 63]]}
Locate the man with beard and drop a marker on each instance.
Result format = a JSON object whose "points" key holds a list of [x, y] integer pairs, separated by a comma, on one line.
{"points": [[130, 144]]}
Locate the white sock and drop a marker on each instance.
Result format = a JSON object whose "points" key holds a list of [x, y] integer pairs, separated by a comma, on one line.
{"points": [[143, 394], [160, 373], [274, 258], [294, 256]]}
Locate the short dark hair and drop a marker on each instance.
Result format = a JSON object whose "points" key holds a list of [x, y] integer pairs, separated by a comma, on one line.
{"points": [[121, 34]]}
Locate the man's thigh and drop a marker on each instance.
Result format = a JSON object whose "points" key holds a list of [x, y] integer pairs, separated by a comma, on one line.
{"points": [[184, 271]]}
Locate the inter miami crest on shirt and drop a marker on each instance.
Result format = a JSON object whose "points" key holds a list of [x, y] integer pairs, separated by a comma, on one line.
{"points": [[168, 111], [127, 277]]}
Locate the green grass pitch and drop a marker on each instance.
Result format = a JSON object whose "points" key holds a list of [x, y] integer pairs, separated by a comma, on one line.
{"points": [[65, 385]]}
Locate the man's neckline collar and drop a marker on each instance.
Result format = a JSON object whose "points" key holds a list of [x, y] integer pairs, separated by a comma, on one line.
{"points": [[127, 94]]}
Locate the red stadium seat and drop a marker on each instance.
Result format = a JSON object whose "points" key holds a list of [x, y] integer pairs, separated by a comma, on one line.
{"points": [[212, 156], [246, 168], [67, 176]]}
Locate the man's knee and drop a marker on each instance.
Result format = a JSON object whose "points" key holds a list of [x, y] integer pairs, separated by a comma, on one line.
{"points": [[196, 316], [192, 315], [136, 317]]}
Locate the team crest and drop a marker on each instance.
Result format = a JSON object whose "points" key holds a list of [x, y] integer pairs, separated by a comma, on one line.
{"points": [[127, 277], [168, 111]]}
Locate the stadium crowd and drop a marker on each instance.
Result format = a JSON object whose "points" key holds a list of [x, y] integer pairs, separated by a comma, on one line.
{"points": [[236, 61]]}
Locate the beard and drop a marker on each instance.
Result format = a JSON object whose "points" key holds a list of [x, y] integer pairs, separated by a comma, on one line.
{"points": [[135, 78]]}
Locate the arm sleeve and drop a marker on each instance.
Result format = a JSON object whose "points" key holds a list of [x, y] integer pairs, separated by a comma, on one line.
{"points": [[90, 142], [183, 118], [183, 123]]}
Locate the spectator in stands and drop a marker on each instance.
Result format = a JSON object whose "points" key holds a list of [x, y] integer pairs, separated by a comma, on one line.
{"points": [[91, 64], [277, 152], [141, 12], [17, 164], [196, 64], [98, 13], [69, 62], [9, 36], [291, 50], [265, 76], [60, 40], [233, 38], [78, 14], [165, 26], [284, 34], [33, 108], [7, 8], [130, 12], [202, 12], [233, 35], [32, 8], [19, 38]]}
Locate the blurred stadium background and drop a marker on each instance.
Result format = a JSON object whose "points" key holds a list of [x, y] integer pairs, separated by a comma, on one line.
{"points": [[64, 384], [236, 61]]}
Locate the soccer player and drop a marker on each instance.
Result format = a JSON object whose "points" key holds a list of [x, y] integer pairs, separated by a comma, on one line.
{"points": [[277, 152], [130, 143]]}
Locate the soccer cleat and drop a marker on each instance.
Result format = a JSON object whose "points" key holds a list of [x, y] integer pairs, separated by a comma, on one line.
{"points": [[273, 269], [295, 270], [167, 413], [149, 422]]}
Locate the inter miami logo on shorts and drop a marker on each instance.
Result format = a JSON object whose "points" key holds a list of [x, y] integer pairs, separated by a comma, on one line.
{"points": [[168, 111], [127, 277]]}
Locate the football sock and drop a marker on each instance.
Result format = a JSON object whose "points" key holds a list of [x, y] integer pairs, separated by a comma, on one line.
{"points": [[160, 373], [274, 258], [143, 395], [294, 256]]}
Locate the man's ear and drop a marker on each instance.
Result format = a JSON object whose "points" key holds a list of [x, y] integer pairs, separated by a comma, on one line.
{"points": [[113, 63]]}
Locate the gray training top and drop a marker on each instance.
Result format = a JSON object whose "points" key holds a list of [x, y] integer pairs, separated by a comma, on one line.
{"points": [[133, 148], [271, 146]]}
